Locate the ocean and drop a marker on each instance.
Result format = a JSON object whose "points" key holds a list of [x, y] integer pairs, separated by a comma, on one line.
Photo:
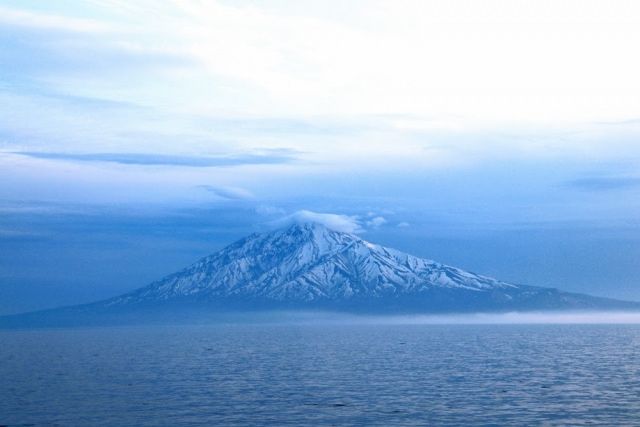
{"points": [[321, 375]]}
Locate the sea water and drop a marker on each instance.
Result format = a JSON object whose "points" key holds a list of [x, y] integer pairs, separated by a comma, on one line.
{"points": [[317, 375]]}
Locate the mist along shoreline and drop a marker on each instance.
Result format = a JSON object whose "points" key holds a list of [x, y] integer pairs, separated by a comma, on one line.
{"points": [[57, 318]]}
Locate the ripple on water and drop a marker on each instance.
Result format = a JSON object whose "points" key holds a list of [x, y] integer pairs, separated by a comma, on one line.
{"points": [[322, 375]]}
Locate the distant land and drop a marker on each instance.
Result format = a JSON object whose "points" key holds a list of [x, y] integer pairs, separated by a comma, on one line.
{"points": [[307, 266]]}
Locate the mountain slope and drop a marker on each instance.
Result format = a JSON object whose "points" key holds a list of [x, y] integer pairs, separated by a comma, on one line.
{"points": [[309, 265]]}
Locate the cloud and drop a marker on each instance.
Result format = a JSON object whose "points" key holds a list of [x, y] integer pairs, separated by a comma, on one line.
{"points": [[50, 50], [604, 183], [25, 208], [344, 223], [403, 224], [277, 156], [17, 234], [376, 222], [572, 317], [288, 125], [303, 58], [28, 19], [230, 193], [268, 210]]}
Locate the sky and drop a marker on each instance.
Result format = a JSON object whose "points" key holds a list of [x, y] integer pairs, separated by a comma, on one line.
{"points": [[496, 136]]}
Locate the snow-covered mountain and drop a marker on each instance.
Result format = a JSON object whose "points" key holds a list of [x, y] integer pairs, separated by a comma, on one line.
{"points": [[309, 265]]}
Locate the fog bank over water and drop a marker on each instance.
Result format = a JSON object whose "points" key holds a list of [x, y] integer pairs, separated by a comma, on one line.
{"points": [[515, 318]]}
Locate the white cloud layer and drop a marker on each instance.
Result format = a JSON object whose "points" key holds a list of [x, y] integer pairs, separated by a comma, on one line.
{"points": [[495, 60], [344, 223], [463, 61]]}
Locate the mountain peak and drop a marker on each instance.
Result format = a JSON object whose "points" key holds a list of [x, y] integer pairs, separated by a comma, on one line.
{"points": [[305, 239], [312, 229], [306, 227]]}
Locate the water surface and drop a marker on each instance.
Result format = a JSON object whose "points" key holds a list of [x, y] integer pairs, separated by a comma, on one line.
{"points": [[322, 375]]}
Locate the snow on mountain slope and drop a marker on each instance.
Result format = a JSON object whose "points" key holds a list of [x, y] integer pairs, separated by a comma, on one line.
{"points": [[309, 263], [310, 267]]}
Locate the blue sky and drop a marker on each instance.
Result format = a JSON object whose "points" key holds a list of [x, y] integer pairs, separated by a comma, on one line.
{"points": [[136, 136]]}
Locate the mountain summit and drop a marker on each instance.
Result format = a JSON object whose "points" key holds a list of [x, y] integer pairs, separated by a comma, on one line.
{"points": [[311, 266]]}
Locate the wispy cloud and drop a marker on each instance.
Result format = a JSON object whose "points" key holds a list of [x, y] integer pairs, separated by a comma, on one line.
{"points": [[604, 183], [288, 125], [230, 193], [18, 234], [24, 18], [376, 222], [50, 47], [25, 208], [142, 159], [269, 210]]}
